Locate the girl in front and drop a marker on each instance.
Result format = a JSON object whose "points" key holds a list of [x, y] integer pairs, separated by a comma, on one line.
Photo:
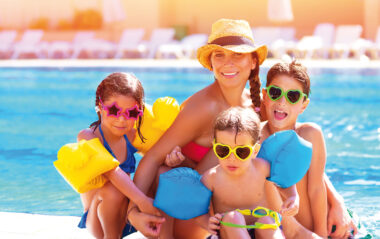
{"points": [[119, 105]]}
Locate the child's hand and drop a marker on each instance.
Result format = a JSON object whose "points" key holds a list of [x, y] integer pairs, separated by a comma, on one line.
{"points": [[290, 206], [214, 224], [146, 206], [175, 158]]}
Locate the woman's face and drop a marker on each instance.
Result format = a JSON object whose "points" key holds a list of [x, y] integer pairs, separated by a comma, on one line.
{"points": [[232, 69], [119, 104]]}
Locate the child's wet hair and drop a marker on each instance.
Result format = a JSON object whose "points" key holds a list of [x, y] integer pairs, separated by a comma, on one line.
{"points": [[120, 83], [238, 120], [294, 70]]}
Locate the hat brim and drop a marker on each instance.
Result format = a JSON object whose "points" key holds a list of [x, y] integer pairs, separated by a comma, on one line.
{"points": [[204, 52]]}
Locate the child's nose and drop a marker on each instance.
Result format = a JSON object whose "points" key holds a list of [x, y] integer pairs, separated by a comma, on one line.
{"points": [[282, 100], [232, 157]]}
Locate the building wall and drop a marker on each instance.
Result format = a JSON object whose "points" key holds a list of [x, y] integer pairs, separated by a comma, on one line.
{"points": [[198, 15]]}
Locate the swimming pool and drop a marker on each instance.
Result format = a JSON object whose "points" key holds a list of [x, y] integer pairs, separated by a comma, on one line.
{"points": [[44, 108]]}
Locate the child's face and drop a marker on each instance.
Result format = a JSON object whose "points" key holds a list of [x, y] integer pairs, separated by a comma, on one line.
{"points": [[281, 114], [232, 164], [122, 124], [232, 69]]}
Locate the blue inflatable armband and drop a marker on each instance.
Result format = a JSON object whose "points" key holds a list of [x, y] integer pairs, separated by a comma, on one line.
{"points": [[289, 156], [181, 194]]}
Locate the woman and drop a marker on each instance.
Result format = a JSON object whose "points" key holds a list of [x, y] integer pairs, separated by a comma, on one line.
{"points": [[234, 59]]}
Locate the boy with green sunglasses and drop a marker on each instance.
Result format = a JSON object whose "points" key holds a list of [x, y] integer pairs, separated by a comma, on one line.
{"points": [[237, 183], [284, 99]]}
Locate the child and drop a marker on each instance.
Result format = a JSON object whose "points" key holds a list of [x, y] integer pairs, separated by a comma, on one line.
{"points": [[238, 181], [286, 97], [119, 105]]}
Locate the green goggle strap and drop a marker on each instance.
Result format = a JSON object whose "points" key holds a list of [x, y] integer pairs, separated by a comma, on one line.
{"points": [[257, 225]]}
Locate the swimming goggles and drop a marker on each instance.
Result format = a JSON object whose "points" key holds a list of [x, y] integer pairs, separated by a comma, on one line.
{"points": [[114, 110], [242, 152], [292, 96], [258, 212]]}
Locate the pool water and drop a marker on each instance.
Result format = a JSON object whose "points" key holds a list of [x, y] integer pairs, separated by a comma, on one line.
{"points": [[44, 108]]}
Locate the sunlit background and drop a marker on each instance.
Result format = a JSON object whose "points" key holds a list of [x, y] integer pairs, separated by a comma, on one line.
{"points": [[44, 107]]}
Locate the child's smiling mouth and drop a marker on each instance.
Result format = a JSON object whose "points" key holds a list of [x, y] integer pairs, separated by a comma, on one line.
{"points": [[280, 115]]}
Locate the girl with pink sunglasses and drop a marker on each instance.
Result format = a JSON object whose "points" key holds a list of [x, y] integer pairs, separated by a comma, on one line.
{"points": [[119, 104]]}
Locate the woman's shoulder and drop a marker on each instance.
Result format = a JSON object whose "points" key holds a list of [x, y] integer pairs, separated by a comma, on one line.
{"points": [[86, 134], [206, 100]]}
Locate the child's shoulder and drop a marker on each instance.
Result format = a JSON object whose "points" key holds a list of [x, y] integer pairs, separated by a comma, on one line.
{"points": [[208, 177], [309, 131], [261, 165], [86, 134]]}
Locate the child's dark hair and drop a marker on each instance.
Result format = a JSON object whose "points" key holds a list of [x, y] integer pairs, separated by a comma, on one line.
{"points": [[294, 70], [255, 84], [238, 120], [120, 83]]}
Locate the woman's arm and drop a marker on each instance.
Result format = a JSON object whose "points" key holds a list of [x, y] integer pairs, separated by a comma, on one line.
{"points": [[316, 188], [189, 124]]}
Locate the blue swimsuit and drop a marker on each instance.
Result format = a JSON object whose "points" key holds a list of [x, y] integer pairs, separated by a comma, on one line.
{"points": [[128, 166]]}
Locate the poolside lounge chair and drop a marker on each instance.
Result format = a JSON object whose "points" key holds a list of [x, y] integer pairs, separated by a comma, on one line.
{"points": [[158, 37], [7, 37], [345, 37], [72, 49], [317, 44], [364, 48], [186, 48], [278, 39], [129, 41], [29, 44]]}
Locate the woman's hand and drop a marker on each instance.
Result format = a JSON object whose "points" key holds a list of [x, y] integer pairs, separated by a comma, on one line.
{"points": [[148, 225], [174, 158], [290, 206], [339, 217], [214, 223]]}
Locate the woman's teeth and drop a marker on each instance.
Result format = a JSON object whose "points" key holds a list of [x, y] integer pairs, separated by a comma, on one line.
{"points": [[229, 74]]}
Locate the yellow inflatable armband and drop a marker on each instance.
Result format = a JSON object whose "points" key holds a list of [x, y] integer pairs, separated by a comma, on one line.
{"points": [[82, 164], [156, 120]]}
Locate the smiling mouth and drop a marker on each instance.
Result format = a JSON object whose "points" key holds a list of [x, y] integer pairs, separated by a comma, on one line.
{"points": [[120, 128], [280, 115], [229, 74]]}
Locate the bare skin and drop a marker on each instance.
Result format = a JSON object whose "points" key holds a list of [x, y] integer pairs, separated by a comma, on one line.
{"points": [[282, 116], [194, 123], [107, 206], [234, 177]]}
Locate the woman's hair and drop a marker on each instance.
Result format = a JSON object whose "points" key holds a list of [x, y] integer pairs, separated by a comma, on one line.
{"points": [[294, 70], [239, 120], [120, 83], [255, 84]]}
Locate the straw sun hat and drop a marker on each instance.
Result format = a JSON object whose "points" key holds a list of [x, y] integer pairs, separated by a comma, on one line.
{"points": [[233, 35]]}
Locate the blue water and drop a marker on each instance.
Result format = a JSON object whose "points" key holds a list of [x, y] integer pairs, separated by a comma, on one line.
{"points": [[43, 108]]}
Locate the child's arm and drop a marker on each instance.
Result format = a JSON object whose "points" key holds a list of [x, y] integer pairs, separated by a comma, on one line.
{"points": [[207, 179], [123, 182], [337, 214], [291, 204], [292, 201], [316, 188]]}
